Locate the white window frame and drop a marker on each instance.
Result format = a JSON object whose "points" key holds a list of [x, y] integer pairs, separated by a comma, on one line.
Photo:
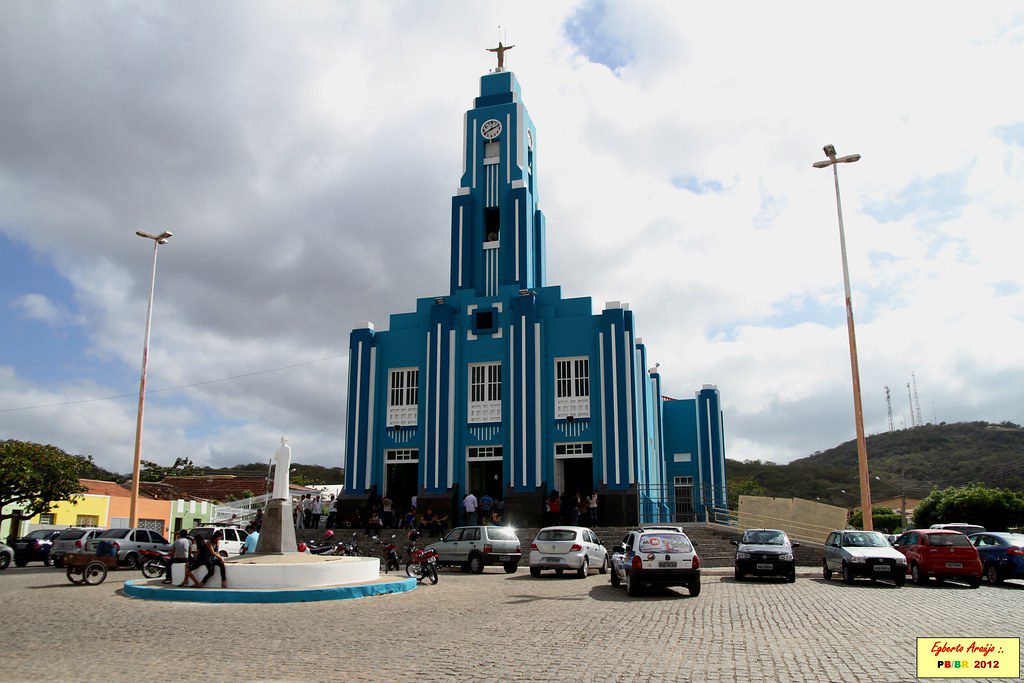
{"points": [[393, 456], [403, 397], [481, 453], [574, 449], [572, 387], [484, 393]]}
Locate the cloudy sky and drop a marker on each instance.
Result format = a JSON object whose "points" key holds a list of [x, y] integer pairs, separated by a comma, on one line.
{"points": [[304, 154]]}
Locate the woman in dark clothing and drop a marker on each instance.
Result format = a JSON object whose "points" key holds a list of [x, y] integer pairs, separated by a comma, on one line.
{"points": [[209, 556]]}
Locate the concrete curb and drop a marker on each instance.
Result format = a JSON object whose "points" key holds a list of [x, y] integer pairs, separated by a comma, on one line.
{"points": [[137, 588]]}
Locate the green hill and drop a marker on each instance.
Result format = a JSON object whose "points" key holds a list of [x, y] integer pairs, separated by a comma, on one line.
{"points": [[926, 457]]}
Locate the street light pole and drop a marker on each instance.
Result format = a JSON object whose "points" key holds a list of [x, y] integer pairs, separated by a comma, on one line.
{"points": [[862, 448], [133, 518]]}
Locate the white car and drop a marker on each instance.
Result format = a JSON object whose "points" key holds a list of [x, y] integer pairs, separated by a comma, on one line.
{"points": [[230, 545], [649, 557], [567, 547]]}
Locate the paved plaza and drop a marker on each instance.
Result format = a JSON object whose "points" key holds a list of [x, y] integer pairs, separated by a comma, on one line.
{"points": [[495, 627]]}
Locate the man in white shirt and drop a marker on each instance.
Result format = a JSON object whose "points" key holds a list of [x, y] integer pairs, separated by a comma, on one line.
{"points": [[470, 504]]}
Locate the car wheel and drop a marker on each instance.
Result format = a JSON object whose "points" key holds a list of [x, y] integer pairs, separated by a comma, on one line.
{"points": [[791, 577], [58, 562], [223, 553], [476, 564], [974, 582], [5, 561], [847, 573], [535, 572], [737, 574], [584, 569], [20, 561], [826, 573], [632, 587], [49, 561], [993, 575], [918, 576], [559, 571], [615, 578], [604, 565], [694, 588], [511, 567], [131, 561], [940, 580], [901, 581]]}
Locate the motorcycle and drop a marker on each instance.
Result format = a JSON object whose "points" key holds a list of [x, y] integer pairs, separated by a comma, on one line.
{"points": [[326, 547], [153, 563], [422, 564], [389, 554], [350, 548]]}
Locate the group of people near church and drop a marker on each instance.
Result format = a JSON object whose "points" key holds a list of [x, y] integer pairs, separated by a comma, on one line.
{"points": [[571, 509], [308, 510]]}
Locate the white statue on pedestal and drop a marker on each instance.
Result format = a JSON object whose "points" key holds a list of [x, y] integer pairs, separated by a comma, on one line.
{"points": [[283, 463]]}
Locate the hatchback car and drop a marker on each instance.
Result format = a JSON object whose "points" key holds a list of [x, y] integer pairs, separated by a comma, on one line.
{"points": [[863, 553], [1002, 555], [475, 547], [655, 558], [940, 554], [128, 542], [231, 542], [35, 547], [72, 540], [765, 552], [567, 547]]}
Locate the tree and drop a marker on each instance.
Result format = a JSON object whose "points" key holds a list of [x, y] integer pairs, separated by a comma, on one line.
{"points": [[745, 487], [33, 477], [886, 520], [151, 471], [992, 508]]}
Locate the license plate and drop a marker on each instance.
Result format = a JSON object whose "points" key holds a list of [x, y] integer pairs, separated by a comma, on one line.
{"points": [[551, 559], [765, 566], [881, 567], [504, 558], [667, 564], [954, 565]]}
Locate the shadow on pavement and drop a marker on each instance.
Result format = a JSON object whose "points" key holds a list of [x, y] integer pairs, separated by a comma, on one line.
{"points": [[607, 593], [838, 583]]}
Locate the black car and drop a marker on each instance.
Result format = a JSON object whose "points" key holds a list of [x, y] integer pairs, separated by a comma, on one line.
{"points": [[35, 547], [765, 552]]}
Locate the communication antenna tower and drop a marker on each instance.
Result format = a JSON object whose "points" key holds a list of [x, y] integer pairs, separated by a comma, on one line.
{"points": [[917, 401], [910, 400], [888, 407]]}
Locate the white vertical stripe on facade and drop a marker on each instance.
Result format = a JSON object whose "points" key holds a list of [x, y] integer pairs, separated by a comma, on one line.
{"points": [[627, 356], [536, 379], [522, 363], [515, 225], [711, 456], [508, 148], [511, 404], [519, 137], [372, 379], [615, 403], [451, 407], [604, 428], [721, 447], [426, 416], [355, 441], [465, 132], [460, 245], [437, 407], [700, 453], [472, 131]]}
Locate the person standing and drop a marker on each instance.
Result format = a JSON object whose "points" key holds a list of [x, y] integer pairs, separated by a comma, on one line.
{"points": [[181, 552], [387, 514], [297, 513], [593, 509], [486, 502], [316, 510], [307, 511], [332, 512], [585, 508], [469, 504], [555, 507], [574, 512]]}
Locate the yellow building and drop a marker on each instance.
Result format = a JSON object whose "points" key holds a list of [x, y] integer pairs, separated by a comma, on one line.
{"points": [[91, 508]]}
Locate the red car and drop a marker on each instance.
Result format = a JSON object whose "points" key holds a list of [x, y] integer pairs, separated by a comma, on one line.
{"points": [[940, 554]]}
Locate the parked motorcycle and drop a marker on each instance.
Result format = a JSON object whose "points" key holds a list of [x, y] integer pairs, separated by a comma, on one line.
{"points": [[153, 563], [350, 548], [325, 547], [422, 564], [389, 554]]}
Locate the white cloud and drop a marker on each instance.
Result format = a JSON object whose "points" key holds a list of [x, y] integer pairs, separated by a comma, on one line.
{"points": [[40, 308]]}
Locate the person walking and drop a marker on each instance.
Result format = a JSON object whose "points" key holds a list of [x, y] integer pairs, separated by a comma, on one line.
{"points": [[181, 552], [593, 509], [209, 555], [486, 504], [469, 504]]}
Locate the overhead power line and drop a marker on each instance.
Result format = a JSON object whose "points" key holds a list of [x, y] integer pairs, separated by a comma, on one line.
{"points": [[176, 388]]}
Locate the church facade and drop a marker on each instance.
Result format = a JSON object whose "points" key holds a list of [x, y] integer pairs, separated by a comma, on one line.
{"points": [[504, 386]]}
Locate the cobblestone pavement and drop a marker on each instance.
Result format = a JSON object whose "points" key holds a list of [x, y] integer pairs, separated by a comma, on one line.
{"points": [[495, 627]]}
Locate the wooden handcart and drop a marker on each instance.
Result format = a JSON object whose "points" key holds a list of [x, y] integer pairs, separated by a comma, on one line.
{"points": [[89, 568]]}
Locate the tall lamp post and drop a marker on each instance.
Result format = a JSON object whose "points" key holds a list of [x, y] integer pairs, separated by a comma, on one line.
{"points": [[862, 448], [157, 241]]}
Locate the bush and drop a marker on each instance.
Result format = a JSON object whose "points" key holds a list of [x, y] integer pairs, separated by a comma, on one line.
{"points": [[884, 519], [994, 509]]}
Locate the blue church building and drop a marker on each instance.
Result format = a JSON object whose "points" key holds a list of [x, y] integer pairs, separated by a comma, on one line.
{"points": [[502, 385]]}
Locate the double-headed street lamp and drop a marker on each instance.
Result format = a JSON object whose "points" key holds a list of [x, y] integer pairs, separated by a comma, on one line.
{"points": [[157, 241], [862, 448]]}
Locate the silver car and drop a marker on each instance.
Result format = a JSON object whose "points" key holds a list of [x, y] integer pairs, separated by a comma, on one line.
{"points": [[567, 547], [129, 542], [863, 553], [474, 547], [72, 540], [6, 555]]}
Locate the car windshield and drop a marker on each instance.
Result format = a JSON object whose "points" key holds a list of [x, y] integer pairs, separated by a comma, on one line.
{"points": [[501, 533], [947, 540], [557, 535], [114, 533], [865, 539], [764, 538], [39, 533], [664, 543], [70, 534]]}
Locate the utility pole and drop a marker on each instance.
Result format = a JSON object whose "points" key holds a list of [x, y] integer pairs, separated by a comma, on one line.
{"points": [[910, 400], [903, 494], [917, 401], [888, 406]]}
